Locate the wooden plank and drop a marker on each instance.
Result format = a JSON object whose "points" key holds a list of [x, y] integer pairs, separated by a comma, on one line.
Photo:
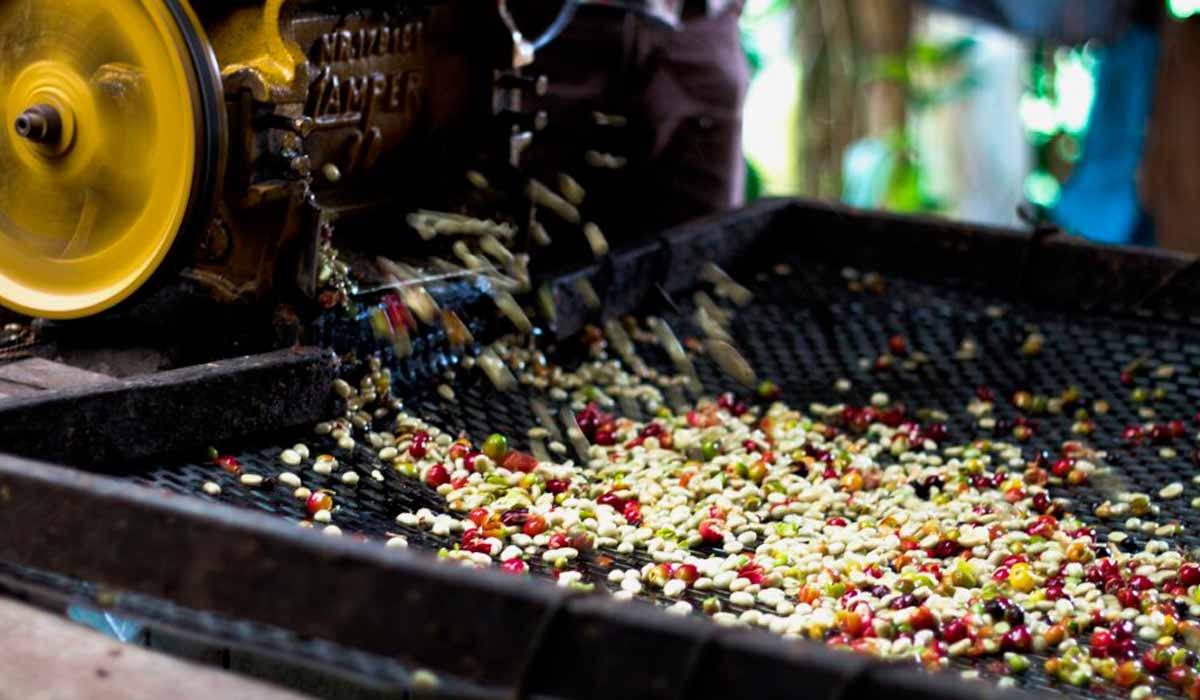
{"points": [[184, 409], [48, 657]]}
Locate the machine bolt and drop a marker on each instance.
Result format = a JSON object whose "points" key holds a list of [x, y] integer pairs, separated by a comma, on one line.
{"points": [[302, 126], [40, 124]]}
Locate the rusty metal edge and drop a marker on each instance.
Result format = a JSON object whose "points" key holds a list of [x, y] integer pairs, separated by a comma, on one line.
{"points": [[483, 626], [184, 409]]}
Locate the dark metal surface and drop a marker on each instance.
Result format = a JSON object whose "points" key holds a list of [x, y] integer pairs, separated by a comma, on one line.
{"points": [[375, 109], [805, 330]]}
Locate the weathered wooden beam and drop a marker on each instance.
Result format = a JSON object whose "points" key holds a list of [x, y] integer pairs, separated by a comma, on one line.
{"points": [[48, 657], [36, 375], [184, 409]]}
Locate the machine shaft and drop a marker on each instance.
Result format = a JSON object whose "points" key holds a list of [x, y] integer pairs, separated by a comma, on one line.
{"points": [[40, 124]]}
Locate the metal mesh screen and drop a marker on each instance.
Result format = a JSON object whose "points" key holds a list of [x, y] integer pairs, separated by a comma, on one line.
{"points": [[806, 330]]}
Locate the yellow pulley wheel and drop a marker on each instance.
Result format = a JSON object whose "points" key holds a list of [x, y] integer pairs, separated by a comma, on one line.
{"points": [[111, 138]]}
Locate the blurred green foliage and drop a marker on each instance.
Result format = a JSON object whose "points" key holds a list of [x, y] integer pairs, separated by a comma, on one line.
{"points": [[754, 178], [1056, 111], [887, 172]]}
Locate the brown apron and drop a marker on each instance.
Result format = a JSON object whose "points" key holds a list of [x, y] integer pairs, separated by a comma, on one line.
{"points": [[681, 91], [672, 12]]}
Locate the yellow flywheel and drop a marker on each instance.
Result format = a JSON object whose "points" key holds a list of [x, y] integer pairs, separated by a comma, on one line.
{"points": [[111, 139]]}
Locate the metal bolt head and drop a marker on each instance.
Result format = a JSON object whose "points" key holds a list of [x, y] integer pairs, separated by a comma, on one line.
{"points": [[303, 126], [301, 165]]}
